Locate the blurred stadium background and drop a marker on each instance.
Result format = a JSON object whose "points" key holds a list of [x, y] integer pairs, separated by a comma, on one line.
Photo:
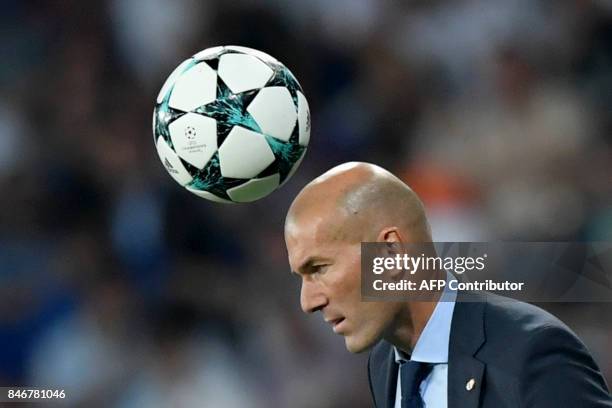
{"points": [[127, 291]]}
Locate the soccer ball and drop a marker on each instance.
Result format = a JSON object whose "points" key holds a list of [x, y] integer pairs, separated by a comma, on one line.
{"points": [[231, 124]]}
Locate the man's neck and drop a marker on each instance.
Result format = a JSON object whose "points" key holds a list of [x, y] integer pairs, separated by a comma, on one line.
{"points": [[412, 319]]}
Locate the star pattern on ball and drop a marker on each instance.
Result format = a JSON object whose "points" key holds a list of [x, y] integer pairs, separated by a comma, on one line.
{"points": [[229, 110], [162, 117], [283, 77], [210, 178]]}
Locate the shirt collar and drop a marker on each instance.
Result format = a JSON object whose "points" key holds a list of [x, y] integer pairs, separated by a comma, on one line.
{"points": [[432, 344]]}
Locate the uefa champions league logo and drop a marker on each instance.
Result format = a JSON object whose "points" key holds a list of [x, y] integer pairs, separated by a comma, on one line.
{"points": [[192, 144], [190, 133]]}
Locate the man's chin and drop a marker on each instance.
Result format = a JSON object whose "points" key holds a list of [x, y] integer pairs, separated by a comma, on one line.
{"points": [[357, 346]]}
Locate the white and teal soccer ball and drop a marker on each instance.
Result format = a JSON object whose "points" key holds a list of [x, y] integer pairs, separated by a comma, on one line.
{"points": [[231, 124]]}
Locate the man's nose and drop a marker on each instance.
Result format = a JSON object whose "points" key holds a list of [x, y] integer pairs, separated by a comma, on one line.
{"points": [[312, 298]]}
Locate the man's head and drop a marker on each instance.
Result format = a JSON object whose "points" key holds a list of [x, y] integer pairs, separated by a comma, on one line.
{"points": [[325, 225]]}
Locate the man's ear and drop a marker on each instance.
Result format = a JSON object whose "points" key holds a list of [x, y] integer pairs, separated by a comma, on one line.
{"points": [[393, 239], [391, 236]]}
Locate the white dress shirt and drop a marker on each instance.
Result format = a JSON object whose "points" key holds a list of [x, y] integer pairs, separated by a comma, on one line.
{"points": [[432, 347]]}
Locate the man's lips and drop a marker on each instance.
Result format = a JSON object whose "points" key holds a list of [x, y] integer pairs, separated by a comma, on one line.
{"points": [[336, 323]]}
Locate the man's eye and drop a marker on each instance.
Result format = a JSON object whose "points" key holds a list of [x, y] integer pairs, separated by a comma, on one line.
{"points": [[319, 268]]}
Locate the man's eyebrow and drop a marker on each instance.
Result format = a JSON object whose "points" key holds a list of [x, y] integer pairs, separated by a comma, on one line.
{"points": [[306, 264]]}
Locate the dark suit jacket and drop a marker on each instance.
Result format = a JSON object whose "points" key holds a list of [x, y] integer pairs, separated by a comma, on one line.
{"points": [[519, 356]]}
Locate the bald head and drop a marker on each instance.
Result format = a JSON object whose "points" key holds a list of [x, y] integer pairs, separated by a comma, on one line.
{"points": [[355, 201]]}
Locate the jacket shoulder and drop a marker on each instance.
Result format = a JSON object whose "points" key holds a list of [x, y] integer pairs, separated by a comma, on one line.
{"points": [[544, 359], [513, 326]]}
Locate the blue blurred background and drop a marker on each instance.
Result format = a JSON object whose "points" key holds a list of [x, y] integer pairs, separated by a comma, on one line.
{"points": [[127, 291]]}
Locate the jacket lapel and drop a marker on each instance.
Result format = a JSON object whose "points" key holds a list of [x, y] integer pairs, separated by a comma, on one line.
{"points": [[465, 372], [382, 371], [391, 368]]}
